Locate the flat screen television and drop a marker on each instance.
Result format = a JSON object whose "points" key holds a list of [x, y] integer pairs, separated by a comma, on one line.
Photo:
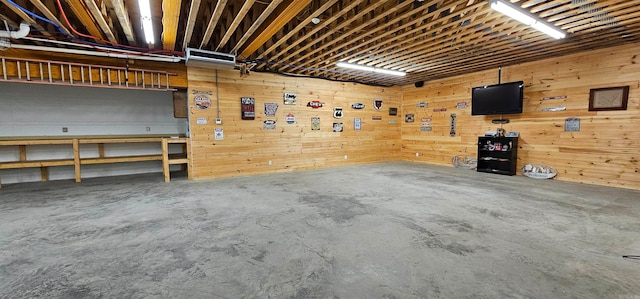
{"points": [[497, 99]]}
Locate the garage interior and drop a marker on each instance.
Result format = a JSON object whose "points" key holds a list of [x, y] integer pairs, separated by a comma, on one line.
{"points": [[221, 149]]}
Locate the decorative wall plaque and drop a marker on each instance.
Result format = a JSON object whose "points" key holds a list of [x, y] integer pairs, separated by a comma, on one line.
{"points": [[612, 98], [248, 108], [572, 124]]}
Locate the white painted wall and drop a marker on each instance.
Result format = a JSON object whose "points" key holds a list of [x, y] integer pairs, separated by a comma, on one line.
{"points": [[43, 110]]}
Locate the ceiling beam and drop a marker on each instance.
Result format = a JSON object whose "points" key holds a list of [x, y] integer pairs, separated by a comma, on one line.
{"points": [[85, 18], [300, 26], [170, 19], [191, 22], [99, 17], [292, 9], [49, 15], [26, 18], [123, 17], [213, 21], [236, 22]]}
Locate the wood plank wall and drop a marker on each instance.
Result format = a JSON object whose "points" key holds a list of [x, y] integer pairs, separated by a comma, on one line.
{"points": [[247, 148], [605, 151]]}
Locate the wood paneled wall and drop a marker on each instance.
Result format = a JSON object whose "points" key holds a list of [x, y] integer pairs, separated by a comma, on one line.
{"points": [[247, 148], [605, 151]]}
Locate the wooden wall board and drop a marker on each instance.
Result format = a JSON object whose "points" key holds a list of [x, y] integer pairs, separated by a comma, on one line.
{"points": [[604, 152], [247, 148]]}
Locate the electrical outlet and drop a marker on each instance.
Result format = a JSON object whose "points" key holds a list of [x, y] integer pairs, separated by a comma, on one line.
{"points": [[218, 121], [148, 129], [269, 162], [345, 157], [65, 129], [417, 154]]}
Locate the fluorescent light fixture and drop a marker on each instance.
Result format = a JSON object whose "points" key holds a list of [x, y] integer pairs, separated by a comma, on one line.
{"points": [[365, 68], [523, 17], [145, 17]]}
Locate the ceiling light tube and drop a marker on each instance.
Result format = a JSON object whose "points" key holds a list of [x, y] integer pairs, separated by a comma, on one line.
{"points": [[145, 17], [365, 68], [526, 18]]}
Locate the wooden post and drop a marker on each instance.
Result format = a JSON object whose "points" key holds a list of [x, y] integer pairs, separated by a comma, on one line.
{"points": [[23, 152], [165, 160], [187, 151], [76, 158], [44, 174], [101, 150]]}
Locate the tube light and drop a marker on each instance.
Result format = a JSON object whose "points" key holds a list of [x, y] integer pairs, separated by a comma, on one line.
{"points": [[365, 68], [145, 17], [523, 17]]}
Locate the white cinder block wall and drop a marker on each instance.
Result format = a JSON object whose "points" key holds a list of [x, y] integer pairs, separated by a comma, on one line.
{"points": [[43, 110]]}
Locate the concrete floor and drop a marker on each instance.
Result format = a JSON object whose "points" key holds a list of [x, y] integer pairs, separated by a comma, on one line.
{"points": [[391, 230]]}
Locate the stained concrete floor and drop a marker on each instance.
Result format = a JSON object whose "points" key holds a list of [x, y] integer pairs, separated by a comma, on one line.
{"points": [[390, 230]]}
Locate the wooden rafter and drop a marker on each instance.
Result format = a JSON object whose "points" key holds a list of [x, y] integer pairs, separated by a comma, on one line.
{"points": [[298, 28], [26, 18], [213, 21], [48, 14], [257, 23], [345, 10], [292, 9], [85, 18], [123, 17], [236, 22], [102, 22], [191, 21], [170, 21], [349, 33]]}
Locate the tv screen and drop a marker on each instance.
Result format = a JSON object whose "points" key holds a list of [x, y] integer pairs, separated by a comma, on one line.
{"points": [[497, 99]]}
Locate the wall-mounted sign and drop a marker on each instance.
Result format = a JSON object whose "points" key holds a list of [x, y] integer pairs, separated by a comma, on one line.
{"points": [[248, 108], [393, 111], [554, 98], [338, 127], [452, 131], [409, 118], [376, 117], [440, 110], [422, 104], [269, 124], [202, 101], [357, 123], [461, 105], [337, 112], [218, 134], [315, 124], [425, 129], [315, 104], [572, 124], [270, 109], [291, 119], [552, 109], [290, 98], [392, 122], [426, 124], [201, 120], [377, 104], [357, 106]]}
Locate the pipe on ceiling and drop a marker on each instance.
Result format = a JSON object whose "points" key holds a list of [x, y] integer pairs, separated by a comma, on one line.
{"points": [[95, 53], [20, 33]]}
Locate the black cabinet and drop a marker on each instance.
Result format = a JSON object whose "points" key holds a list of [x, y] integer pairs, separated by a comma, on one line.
{"points": [[497, 155]]}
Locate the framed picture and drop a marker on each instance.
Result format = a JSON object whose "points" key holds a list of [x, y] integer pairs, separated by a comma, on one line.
{"points": [[611, 98]]}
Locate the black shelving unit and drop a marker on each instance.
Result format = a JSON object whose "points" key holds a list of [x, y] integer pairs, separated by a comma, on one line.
{"points": [[493, 157]]}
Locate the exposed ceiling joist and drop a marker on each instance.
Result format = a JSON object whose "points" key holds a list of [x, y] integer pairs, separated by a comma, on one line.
{"points": [[123, 18], [26, 18], [292, 9], [85, 18], [191, 22], [47, 13], [213, 21], [236, 22], [102, 22], [170, 21], [298, 28]]}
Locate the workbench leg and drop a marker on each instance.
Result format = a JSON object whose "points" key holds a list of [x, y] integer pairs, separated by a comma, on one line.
{"points": [[165, 160], [76, 159]]}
